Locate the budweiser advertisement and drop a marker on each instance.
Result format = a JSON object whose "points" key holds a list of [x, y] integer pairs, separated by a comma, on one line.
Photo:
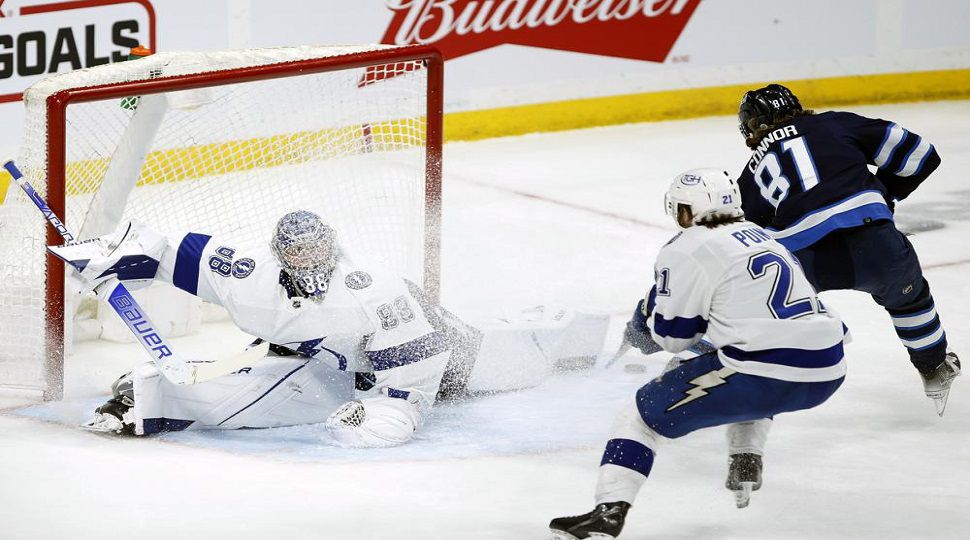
{"points": [[42, 38], [634, 29]]}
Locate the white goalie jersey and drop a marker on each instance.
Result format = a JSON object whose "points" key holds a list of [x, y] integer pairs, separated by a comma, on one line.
{"points": [[749, 296], [368, 320]]}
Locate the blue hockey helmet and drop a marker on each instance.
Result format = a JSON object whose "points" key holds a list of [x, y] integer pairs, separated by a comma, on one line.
{"points": [[765, 107]]}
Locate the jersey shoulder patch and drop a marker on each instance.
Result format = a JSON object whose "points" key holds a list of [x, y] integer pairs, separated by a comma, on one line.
{"points": [[358, 280]]}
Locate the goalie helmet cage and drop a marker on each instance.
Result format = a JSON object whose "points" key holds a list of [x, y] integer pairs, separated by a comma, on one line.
{"points": [[357, 138]]}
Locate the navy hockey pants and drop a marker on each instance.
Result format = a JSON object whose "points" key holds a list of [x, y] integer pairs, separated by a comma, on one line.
{"points": [[878, 259], [673, 405]]}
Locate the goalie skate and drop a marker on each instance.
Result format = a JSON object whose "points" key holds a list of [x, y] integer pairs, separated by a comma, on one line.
{"points": [[113, 417], [937, 383]]}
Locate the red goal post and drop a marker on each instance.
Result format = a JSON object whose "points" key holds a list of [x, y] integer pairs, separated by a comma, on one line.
{"points": [[379, 129]]}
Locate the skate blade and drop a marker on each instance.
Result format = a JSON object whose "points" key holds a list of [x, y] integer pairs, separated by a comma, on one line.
{"points": [[742, 497], [563, 535], [940, 403], [99, 424], [99, 428]]}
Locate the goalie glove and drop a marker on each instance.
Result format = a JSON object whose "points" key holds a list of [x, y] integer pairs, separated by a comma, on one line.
{"points": [[130, 254], [373, 422]]}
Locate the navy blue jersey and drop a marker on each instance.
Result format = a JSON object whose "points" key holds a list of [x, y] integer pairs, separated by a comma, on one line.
{"points": [[810, 176]]}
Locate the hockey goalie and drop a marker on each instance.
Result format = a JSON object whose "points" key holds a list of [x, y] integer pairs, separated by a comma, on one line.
{"points": [[346, 343]]}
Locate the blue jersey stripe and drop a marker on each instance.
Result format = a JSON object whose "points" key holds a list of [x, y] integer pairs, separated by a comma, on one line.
{"points": [[845, 220], [797, 358], [679, 327], [399, 394], [186, 274], [651, 301], [823, 210], [630, 454], [413, 351]]}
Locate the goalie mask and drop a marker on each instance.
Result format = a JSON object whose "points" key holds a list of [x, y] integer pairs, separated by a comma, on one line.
{"points": [[708, 193], [307, 249]]}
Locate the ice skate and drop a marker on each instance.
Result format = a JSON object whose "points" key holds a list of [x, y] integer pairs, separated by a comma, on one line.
{"points": [[605, 521], [114, 416], [937, 382], [744, 476]]}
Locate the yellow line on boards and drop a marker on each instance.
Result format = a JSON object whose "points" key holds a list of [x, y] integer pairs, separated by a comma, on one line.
{"points": [[698, 102], [192, 162]]}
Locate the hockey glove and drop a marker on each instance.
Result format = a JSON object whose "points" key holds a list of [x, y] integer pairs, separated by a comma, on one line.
{"points": [[637, 333], [130, 255], [373, 422]]}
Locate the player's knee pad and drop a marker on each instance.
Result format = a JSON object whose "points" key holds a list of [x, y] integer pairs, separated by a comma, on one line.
{"points": [[629, 424]]}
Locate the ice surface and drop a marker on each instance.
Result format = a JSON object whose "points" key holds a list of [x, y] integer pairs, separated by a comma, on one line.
{"points": [[576, 219]]}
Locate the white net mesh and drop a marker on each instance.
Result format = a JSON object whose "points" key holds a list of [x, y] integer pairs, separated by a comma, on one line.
{"points": [[225, 160]]}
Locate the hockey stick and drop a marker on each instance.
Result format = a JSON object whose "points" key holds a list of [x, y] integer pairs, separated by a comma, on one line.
{"points": [[120, 300], [624, 348]]}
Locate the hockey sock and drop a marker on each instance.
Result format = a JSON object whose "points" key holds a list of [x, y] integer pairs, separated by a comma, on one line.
{"points": [[918, 327], [627, 459]]}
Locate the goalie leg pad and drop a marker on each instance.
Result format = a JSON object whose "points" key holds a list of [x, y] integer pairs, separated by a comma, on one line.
{"points": [[523, 349], [303, 392]]}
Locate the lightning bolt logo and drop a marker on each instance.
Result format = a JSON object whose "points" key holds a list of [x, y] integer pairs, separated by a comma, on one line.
{"points": [[702, 384]]}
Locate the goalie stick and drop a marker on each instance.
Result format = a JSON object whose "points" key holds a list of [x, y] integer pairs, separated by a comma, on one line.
{"points": [[136, 319]]}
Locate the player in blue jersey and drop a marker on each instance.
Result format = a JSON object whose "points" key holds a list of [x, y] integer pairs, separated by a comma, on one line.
{"points": [[773, 347], [808, 182]]}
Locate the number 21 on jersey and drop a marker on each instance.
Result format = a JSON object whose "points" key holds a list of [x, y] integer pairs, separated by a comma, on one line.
{"points": [[770, 175], [771, 265]]}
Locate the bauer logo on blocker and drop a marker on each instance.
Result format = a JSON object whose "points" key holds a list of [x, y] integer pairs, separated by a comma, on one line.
{"points": [[41, 38]]}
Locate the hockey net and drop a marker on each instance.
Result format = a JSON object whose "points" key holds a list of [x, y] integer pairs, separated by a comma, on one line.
{"points": [[221, 143]]}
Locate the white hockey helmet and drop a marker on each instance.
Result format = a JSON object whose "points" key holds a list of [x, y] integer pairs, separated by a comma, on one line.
{"points": [[707, 192]]}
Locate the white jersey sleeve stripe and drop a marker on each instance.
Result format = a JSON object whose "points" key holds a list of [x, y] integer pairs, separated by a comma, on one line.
{"points": [[845, 213], [914, 161], [894, 136]]}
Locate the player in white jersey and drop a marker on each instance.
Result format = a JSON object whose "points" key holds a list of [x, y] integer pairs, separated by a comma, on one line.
{"points": [[775, 348], [335, 322]]}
